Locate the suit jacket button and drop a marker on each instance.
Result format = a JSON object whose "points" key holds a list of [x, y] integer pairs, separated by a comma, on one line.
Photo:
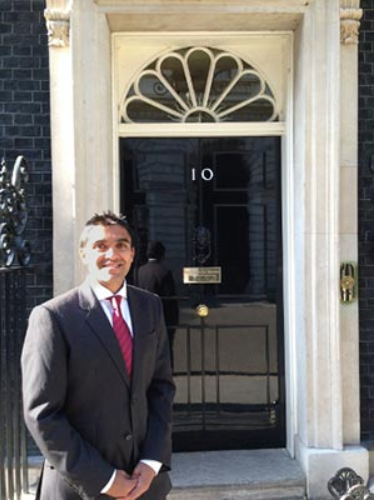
{"points": [[128, 437]]}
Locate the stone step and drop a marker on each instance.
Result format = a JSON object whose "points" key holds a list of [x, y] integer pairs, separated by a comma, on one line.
{"points": [[258, 474]]}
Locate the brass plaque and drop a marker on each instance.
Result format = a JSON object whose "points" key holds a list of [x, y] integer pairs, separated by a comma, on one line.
{"points": [[202, 275]]}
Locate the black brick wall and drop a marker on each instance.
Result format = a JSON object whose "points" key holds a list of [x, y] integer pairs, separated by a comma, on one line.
{"points": [[366, 217], [25, 126]]}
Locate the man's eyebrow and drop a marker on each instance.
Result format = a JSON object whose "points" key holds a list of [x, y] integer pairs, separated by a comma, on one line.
{"points": [[118, 240]]}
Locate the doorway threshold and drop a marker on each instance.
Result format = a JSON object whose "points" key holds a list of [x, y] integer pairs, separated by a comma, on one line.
{"points": [[241, 474]]}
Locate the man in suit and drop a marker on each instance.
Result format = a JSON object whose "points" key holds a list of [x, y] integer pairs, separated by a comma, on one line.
{"points": [[155, 277], [97, 383]]}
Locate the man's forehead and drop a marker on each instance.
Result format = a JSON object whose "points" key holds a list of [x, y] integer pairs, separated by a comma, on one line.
{"points": [[110, 232]]}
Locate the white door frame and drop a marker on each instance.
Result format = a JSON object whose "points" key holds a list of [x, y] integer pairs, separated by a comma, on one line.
{"points": [[283, 49]]}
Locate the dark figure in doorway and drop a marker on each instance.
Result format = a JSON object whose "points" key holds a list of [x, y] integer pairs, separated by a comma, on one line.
{"points": [[155, 277]]}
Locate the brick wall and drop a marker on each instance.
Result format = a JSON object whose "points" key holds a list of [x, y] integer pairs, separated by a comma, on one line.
{"points": [[366, 218], [25, 127]]}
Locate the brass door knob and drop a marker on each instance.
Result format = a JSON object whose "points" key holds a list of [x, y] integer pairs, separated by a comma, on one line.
{"points": [[347, 282], [202, 310]]}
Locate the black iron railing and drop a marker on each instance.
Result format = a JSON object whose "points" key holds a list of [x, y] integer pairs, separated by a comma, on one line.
{"points": [[14, 256], [347, 484]]}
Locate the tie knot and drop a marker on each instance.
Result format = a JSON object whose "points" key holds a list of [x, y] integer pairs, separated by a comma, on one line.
{"points": [[116, 301]]}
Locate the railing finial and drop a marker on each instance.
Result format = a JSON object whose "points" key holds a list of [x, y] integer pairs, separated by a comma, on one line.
{"points": [[13, 214]]}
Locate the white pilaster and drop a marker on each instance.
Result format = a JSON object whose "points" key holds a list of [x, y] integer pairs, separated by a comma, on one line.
{"points": [[81, 128], [90, 39], [57, 15], [323, 371]]}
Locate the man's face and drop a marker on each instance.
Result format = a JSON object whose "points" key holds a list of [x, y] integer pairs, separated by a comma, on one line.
{"points": [[108, 255]]}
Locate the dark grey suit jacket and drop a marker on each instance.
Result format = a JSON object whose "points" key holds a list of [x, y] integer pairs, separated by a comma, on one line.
{"points": [[84, 414]]}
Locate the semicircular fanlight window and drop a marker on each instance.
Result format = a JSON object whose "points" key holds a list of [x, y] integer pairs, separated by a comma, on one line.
{"points": [[199, 84]]}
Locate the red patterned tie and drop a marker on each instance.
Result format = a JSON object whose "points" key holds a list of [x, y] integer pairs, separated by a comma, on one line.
{"points": [[123, 334]]}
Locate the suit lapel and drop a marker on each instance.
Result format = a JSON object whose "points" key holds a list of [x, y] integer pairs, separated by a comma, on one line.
{"points": [[99, 324], [140, 321]]}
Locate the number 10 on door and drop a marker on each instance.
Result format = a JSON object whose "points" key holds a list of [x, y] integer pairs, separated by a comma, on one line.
{"points": [[205, 174]]}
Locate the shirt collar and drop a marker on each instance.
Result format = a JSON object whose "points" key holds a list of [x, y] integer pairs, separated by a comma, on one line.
{"points": [[102, 292]]}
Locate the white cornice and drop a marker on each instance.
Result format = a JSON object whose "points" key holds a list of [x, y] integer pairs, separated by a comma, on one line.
{"points": [[349, 4], [350, 16], [228, 5], [57, 16]]}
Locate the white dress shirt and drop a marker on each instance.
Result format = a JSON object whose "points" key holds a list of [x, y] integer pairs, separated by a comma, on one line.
{"points": [[102, 295]]}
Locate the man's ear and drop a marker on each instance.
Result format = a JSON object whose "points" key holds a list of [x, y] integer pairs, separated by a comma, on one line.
{"points": [[82, 254]]}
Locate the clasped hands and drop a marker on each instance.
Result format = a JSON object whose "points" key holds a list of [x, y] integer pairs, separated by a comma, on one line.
{"points": [[132, 486]]}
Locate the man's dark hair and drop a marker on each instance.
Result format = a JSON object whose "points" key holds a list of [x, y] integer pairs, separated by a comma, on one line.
{"points": [[107, 218], [155, 250]]}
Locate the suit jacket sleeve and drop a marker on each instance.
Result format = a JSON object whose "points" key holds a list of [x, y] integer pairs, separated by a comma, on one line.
{"points": [[44, 361], [158, 443]]}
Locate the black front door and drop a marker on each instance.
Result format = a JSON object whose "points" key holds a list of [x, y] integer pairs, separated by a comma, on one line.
{"points": [[214, 203]]}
